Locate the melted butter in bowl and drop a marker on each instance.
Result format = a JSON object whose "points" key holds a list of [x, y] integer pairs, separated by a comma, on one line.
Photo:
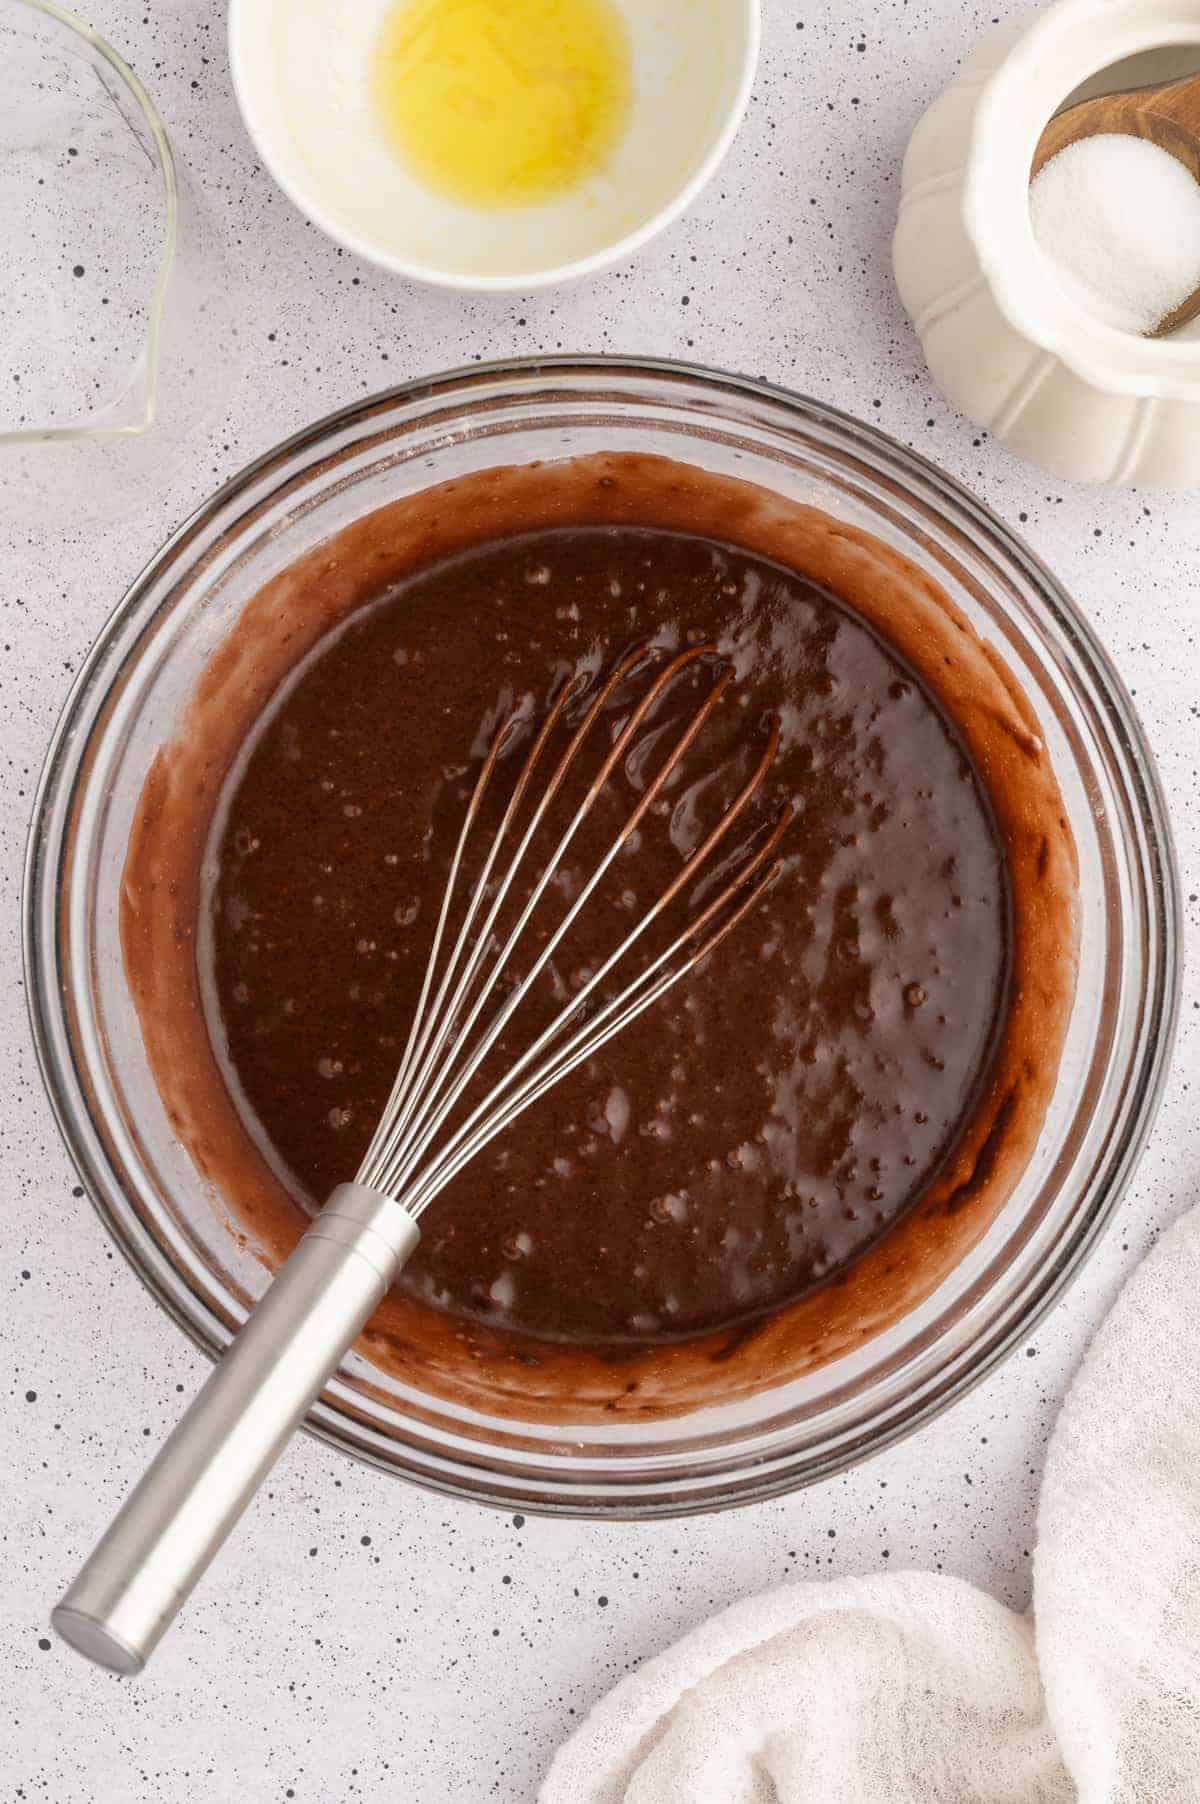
{"points": [[499, 103], [492, 143]]}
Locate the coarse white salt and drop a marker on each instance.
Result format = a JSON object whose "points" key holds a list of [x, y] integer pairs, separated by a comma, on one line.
{"points": [[1119, 221]]}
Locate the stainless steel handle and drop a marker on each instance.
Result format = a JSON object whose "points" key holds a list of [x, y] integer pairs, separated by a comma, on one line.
{"points": [[175, 1519]]}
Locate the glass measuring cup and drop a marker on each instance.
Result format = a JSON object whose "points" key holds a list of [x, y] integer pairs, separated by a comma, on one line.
{"points": [[113, 311]]}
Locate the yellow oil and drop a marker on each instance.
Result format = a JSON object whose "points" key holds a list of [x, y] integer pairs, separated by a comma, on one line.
{"points": [[501, 103]]}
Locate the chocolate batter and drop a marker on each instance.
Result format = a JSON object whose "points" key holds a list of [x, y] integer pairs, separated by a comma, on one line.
{"points": [[786, 1102], [789, 1151]]}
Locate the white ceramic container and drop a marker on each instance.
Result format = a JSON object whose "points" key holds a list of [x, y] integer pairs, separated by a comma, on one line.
{"points": [[1003, 339], [300, 72]]}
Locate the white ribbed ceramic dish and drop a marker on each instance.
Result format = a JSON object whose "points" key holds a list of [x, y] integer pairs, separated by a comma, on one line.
{"points": [[1004, 341]]}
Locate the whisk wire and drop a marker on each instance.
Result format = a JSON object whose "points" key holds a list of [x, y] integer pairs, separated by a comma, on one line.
{"points": [[442, 1013], [432, 1077], [395, 1115], [500, 1108], [441, 1057], [685, 875], [417, 1123]]}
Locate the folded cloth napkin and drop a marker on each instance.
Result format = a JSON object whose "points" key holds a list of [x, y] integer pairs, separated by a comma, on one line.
{"points": [[916, 1689]]}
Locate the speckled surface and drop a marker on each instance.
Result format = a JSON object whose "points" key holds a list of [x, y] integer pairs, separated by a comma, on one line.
{"points": [[360, 1640]]}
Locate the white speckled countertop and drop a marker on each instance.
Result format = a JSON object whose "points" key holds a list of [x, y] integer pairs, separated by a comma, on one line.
{"points": [[360, 1640]]}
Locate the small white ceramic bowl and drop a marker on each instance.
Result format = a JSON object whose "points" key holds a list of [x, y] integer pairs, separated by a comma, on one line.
{"points": [[300, 74]]}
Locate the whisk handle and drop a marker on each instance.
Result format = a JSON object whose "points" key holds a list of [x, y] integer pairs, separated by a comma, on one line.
{"points": [[173, 1522]]}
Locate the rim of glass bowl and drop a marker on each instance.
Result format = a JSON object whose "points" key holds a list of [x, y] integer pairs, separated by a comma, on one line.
{"points": [[573, 1485]]}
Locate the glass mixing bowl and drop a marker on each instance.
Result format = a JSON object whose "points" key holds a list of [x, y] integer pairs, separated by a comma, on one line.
{"points": [[126, 704]]}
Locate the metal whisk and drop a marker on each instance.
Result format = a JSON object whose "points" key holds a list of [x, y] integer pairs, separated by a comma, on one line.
{"points": [[176, 1518]]}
